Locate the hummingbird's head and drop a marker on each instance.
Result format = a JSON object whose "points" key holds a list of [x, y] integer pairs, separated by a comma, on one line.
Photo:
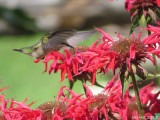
{"points": [[36, 52]]}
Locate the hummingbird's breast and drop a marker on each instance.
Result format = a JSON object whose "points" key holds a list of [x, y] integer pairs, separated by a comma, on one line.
{"points": [[39, 52]]}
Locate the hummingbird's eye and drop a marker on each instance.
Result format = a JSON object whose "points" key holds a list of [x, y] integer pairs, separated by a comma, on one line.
{"points": [[35, 48]]}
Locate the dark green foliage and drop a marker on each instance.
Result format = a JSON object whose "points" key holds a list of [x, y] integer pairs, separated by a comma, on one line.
{"points": [[18, 20]]}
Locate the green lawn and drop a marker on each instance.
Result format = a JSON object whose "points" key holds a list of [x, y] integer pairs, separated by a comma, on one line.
{"points": [[24, 77]]}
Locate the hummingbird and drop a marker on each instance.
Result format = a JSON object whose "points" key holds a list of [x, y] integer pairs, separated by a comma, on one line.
{"points": [[54, 41]]}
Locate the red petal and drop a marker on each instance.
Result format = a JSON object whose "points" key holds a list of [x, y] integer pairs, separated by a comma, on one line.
{"points": [[95, 114], [88, 91], [110, 84], [139, 36], [75, 65], [36, 61], [133, 50], [94, 44], [63, 71], [155, 51], [103, 109], [150, 58], [118, 35], [129, 64], [94, 77], [69, 74], [158, 3], [112, 60], [60, 93], [105, 35], [73, 100]]}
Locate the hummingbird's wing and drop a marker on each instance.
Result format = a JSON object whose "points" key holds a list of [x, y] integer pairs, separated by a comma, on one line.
{"points": [[79, 37], [56, 39]]}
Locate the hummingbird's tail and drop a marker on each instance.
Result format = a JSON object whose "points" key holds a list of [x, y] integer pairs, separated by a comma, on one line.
{"points": [[19, 50]]}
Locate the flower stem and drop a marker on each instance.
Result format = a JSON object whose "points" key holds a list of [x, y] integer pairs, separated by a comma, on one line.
{"points": [[137, 96]]}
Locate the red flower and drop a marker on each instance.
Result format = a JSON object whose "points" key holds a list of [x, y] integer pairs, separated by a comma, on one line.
{"points": [[123, 53], [154, 29], [141, 4], [53, 110], [93, 106], [64, 62], [108, 104], [143, 7], [68, 63], [18, 110]]}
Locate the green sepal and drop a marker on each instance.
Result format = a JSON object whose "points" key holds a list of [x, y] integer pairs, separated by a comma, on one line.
{"points": [[142, 21], [152, 16], [158, 12], [139, 71]]}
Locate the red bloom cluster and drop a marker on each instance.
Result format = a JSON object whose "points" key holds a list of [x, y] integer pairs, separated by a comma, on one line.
{"points": [[66, 63], [18, 110], [12, 110], [107, 105], [122, 53]]}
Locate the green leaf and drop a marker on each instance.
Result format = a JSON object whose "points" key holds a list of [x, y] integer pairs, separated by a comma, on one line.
{"points": [[134, 25], [125, 81]]}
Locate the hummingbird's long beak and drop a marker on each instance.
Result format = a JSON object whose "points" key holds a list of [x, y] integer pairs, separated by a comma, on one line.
{"points": [[19, 50]]}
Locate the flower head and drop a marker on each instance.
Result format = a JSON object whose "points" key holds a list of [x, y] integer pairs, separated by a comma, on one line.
{"points": [[50, 110], [18, 110], [67, 62], [93, 106], [109, 103], [126, 54]]}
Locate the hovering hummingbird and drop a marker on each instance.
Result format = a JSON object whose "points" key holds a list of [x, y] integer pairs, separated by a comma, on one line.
{"points": [[55, 41]]}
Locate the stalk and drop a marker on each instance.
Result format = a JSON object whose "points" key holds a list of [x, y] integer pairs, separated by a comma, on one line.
{"points": [[137, 95]]}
